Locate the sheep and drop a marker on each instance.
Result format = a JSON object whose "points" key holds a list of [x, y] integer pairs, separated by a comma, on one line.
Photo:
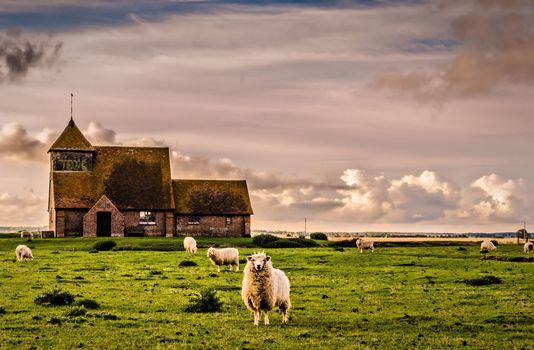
{"points": [[361, 245], [190, 245], [528, 247], [23, 253], [487, 246], [264, 287], [224, 256]]}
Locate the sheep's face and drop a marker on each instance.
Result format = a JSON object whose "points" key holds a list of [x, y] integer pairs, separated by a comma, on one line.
{"points": [[258, 261], [211, 251]]}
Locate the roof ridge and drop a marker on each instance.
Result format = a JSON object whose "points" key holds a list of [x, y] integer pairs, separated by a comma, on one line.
{"points": [[123, 146]]}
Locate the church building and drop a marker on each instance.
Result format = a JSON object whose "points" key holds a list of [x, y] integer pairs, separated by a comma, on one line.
{"points": [[128, 191]]}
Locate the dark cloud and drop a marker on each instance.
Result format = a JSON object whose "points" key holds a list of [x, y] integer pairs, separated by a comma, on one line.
{"points": [[19, 54], [497, 48]]}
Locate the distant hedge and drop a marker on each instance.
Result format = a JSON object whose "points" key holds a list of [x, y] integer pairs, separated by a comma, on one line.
{"points": [[263, 240], [270, 241], [319, 236], [347, 243]]}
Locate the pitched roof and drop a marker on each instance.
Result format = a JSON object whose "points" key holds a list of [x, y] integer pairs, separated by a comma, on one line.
{"points": [[132, 177], [211, 197], [71, 139]]}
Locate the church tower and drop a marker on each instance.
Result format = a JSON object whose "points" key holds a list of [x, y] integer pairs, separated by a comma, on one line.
{"points": [[71, 152]]}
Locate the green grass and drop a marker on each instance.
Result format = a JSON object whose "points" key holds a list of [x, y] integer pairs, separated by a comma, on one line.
{"points": [[396, 298]]}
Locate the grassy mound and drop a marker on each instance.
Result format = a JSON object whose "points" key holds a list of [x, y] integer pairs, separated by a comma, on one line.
{"points": [[187, 263], [205, 301], [57, 297], [104, 245], [87, 303]]}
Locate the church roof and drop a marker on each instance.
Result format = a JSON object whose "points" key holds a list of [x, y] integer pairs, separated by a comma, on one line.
{"points": [[132, 177], [71, 139], [211, 197]]}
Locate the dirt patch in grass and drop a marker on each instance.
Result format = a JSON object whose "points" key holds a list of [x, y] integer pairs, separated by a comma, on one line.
{"points": [[483, 281], [509, 258]]}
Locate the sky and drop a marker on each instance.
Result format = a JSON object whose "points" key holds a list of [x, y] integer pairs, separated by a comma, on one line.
{"points": [[368, 115]]}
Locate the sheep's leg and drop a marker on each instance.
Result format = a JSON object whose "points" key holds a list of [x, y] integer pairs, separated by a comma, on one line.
{"points": [[237, 267], [284, 316], [256, 318], [218, 268], [266, 318], [283, 308]]}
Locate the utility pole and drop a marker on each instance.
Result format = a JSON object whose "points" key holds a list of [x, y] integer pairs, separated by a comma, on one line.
{"points": [[305, 219]]}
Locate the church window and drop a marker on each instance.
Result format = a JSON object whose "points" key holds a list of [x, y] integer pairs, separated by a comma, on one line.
{"points": [[193, 220], [147, 218]]}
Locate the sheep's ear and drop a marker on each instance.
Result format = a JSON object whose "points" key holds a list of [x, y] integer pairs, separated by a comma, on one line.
{"points": [[249, 258], [267, 258]]}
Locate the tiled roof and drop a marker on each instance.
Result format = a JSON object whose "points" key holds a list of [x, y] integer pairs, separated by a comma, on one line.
{"points": [[132, 177], [211, 197], [72, 139]]}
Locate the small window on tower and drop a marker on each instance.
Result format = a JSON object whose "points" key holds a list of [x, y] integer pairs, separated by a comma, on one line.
{"points": [[228, 220], [147, 218], [193, 220]]}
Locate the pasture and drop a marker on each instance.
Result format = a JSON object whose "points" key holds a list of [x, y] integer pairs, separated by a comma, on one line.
{"points": [[397, 298]]}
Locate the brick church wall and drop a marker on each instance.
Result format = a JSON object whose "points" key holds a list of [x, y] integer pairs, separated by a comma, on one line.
{"points": [[131, 221], [74, 222], [103, 205], [213, 225]]}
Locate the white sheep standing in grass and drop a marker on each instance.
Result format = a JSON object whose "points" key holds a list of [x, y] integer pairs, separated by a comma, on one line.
{"points": [[528, 247], [190, 245], [361, 245], [264, 287], [487, 246], [224, 256], [23, 252]]}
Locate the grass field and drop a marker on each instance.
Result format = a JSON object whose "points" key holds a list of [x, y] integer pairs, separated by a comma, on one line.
{"points": [[396, 298]]}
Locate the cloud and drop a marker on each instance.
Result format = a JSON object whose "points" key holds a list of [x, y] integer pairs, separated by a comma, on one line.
{"points": [[98, 135], [21, 209], [497, 48], [408, 199], [20, 54], [18, 144], [429, 198], [492, 198], [355, 196]]}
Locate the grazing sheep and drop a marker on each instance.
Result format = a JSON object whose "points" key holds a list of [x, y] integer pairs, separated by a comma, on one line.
{"points": [[23, 253], [190, 245], [487, 246], [528, 247], [361, 245], [264, 287], [224, 256]]}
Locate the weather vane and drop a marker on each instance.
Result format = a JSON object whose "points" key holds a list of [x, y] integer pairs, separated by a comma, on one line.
{"points": [[71, 96]]}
